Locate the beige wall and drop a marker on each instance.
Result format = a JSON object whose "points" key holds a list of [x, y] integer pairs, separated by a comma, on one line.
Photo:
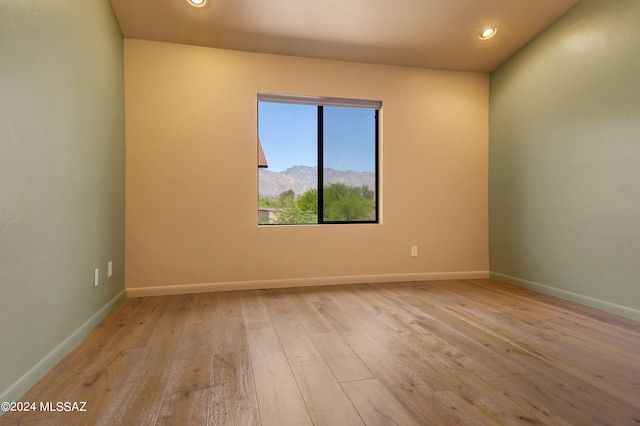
{"points": [[191, 175]]}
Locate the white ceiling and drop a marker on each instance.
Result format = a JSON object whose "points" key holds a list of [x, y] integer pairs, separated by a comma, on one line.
{"points": [[441, 34]]}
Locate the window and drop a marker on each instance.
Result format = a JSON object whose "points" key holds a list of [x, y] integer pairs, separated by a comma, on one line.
{"points": [[317, 160]]}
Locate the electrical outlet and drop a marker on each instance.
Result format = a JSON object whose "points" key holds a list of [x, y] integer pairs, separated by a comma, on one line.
{"points": [[96, 277], [414, 251], [109, 269]]}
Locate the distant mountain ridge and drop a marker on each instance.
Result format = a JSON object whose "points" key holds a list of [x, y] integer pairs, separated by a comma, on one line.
{"points": [[302, 178]]}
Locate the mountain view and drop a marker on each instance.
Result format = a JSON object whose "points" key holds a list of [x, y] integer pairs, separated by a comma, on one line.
{"points": [[301, 178]]}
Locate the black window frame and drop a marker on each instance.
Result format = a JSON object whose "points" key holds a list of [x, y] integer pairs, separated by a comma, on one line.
{"points": [[320, 103]]}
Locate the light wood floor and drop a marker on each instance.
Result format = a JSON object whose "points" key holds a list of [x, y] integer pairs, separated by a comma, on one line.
{"points": [[431, 353]]}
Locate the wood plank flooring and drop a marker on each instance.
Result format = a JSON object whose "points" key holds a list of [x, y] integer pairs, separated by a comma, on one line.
{"points": [[472, 352]]}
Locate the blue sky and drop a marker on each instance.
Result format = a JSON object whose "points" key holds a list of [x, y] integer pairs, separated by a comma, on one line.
{"points": [[288, 133]]}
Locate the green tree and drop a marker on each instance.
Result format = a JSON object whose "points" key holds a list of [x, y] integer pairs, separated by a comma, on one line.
{"points": [[342, 203], [347, 203], [296, 216], [309, 201], [266, 202], [368, 193], [287, 199]]}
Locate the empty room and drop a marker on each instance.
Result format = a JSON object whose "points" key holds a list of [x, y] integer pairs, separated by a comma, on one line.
{"points": [[289, 212]]}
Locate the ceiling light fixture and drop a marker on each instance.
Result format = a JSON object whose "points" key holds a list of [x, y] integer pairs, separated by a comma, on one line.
{"points": [[197, 3], [488, 32]]}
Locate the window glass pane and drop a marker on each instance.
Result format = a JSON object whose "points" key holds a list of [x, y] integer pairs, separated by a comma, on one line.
{"points": [[317, 162], [349, 172], [288, 134]]}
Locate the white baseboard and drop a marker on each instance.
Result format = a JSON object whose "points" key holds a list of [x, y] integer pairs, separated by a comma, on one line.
{"points": [[624, 311], [37, 372], [302, 282]]}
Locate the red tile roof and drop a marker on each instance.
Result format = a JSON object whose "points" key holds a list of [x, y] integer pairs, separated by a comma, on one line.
{"points": [[262, 160]]}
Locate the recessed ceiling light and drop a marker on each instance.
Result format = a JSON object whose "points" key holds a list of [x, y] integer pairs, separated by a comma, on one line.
{"points": [[488, 32], [197, 3]]}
